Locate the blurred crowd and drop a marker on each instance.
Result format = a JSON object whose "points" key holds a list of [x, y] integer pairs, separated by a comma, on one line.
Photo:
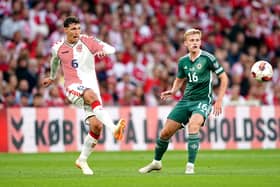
{"points": [[148, 36]]}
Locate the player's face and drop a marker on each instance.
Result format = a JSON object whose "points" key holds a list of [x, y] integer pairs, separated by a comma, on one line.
{"points": [[193, 42], [73, 33]]}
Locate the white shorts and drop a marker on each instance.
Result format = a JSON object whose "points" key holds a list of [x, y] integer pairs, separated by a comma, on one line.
{"points": [[74, 94]]}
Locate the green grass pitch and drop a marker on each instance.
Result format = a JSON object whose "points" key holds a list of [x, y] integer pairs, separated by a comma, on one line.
{"points": [[119, 169]]}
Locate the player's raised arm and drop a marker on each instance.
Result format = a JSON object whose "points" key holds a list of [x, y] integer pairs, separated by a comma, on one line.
{"points": [[106, 49]]}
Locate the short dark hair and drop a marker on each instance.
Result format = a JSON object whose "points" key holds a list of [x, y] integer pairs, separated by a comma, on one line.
{"points": [[37, 95], [70, 20]]}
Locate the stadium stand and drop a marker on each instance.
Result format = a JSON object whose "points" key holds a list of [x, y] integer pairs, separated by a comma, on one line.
{"points": [[147, 35]]}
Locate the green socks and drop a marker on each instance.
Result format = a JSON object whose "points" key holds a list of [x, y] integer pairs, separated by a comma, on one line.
{"points": [[193, 146], [161, 147]]}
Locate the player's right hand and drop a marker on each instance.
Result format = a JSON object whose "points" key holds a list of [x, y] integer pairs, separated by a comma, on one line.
{"points": [[164, 95], [100, 54], [47, 81]]}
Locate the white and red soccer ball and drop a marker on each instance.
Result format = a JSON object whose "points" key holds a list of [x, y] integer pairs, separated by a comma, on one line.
{"points": [[262, 71]]}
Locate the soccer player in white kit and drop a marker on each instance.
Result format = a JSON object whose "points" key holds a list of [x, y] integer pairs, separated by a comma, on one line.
{"points": [[75, 54]]}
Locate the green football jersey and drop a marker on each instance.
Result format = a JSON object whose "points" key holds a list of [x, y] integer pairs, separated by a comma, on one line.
{"points": [[199, 75]]}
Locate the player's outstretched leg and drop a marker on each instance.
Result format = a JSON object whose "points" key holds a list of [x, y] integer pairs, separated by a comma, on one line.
{"points": [[105, 118], [154, 165], [119, 130]]}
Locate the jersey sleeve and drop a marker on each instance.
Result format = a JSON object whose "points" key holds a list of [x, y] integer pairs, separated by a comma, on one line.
{"points": [[215, 66], [95, 45], [181, 73], [108, 49], [54, 64]]}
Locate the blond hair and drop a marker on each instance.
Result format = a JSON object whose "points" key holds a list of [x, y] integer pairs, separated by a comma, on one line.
{"points": [[191, 32]]}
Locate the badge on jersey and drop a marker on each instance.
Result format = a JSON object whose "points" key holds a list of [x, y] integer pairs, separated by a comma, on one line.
{"points": [[79, 48]]}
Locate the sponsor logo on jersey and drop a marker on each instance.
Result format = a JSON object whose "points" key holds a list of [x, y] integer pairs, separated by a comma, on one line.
{"points": [[64, 52], [81, 88], [73, 92]]}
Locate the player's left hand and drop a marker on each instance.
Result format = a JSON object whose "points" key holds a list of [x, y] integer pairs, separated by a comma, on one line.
{"points": [[46, 82], [217, 108], [164, 95], [100, 54]]}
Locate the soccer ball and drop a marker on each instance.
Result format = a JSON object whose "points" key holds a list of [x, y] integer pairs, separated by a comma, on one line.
{"points": [[262, 71]]}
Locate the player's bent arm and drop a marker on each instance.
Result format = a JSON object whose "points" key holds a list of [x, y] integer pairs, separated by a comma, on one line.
{"points": [[54, 66], [47, 81], [108, 49], [177, 84], [223, 87]]}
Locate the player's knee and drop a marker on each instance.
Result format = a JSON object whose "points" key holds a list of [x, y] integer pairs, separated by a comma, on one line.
{"points": [[96, 127], [194, 128], [195, 123], [89, 96], [165, 134]]}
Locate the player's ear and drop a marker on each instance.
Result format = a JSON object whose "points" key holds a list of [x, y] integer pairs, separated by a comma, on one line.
{"points": [[185, 43]]}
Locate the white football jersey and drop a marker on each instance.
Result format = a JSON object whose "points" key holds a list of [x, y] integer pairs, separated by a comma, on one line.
{"points": [[77, 61]]}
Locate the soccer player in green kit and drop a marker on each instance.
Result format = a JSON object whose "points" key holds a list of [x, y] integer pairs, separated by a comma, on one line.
{"points": [[193, 109]]}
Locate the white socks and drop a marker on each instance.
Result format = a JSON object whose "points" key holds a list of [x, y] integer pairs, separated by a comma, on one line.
{"points": [[156, 162], [104, 117], [87, 147]]}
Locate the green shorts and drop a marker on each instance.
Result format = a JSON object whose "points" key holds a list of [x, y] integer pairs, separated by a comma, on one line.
{"points": [[185, 109]]}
